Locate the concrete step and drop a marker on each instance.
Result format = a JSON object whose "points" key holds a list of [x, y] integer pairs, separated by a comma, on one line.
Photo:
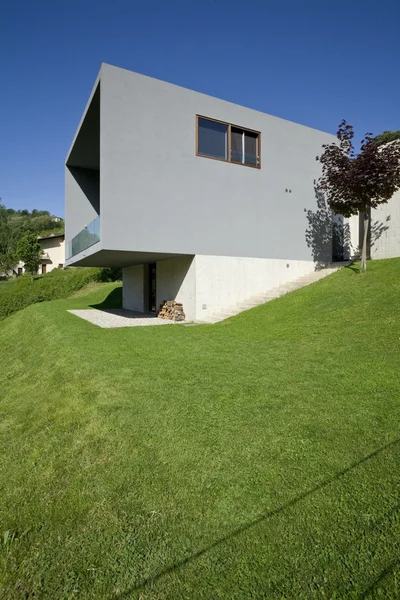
{"points": [[216, 317], [210, 320], [272, 294], [226, 314], [264, 297], [248, 305]]}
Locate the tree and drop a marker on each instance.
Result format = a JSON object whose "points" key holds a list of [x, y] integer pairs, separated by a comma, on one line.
{"points": [[387, 136], [29, 251], [355, 183], [8, 242]]}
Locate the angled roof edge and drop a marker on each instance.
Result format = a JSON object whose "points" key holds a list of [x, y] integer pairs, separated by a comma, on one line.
{"points": [[254, 110], [92, 93]]}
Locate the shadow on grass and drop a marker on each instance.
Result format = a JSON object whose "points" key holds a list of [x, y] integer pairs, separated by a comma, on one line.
{"points": [[353, 267], [264, 517], [385, 573], [113, 300]]}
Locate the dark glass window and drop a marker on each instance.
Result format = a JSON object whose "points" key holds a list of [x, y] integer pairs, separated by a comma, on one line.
{"points": [[244, 146], [213, 139], [236, 144], [228, 142], [251, 148]]}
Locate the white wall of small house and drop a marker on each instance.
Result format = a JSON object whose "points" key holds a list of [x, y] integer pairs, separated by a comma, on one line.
{"points": [[55, 248], [14, 271], [21, 266]]}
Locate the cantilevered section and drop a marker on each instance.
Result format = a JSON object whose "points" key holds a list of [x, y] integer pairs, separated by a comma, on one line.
{"points": [[82, 180], [96, 257], [141, 163]]}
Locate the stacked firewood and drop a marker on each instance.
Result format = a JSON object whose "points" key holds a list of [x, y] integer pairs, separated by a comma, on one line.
{"points": [[169, 309]]}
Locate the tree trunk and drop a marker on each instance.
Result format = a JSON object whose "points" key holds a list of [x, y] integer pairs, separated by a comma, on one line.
{"points": [[363, 265], [3, 269]]}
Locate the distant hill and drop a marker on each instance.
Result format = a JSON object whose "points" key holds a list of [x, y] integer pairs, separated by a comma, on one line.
{"points": [[38, 221], [387, 136]]}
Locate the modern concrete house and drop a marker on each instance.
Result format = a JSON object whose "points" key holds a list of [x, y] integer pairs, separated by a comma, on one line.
{"points": [[199, 200]]}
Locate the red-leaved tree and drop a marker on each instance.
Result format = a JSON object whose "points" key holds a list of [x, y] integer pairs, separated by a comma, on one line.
{"points": [[355, 183]]}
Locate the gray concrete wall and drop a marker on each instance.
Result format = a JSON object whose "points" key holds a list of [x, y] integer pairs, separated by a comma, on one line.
{"points": [[133, 288], [385, 229], [176, 280], [158, 196]]}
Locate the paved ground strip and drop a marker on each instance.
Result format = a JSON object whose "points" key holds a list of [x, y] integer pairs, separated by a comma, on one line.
{"points": [[111, 318]]}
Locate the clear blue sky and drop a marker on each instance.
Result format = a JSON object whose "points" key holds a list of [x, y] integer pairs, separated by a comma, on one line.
{"points": [[314, 62]]}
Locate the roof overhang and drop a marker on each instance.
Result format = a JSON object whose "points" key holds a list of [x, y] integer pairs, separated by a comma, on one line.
{"points": [[93, 257]]}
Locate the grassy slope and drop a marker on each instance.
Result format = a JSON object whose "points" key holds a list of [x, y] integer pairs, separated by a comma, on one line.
{"points": [[256, 458], [18, 293]]}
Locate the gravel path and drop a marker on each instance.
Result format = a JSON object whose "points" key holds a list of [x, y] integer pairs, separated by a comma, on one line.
{"points": [[109, 319]]}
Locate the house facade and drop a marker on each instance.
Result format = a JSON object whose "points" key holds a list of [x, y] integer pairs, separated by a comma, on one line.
{"points": [[17, 270], [53, 257], [198, 200]]}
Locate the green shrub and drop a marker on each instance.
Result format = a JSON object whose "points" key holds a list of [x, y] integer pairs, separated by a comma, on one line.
{"points": [[18, 293], [110, 274]]}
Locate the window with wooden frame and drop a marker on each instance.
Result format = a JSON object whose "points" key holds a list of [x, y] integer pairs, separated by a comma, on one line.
{"points": [[227, 142]]}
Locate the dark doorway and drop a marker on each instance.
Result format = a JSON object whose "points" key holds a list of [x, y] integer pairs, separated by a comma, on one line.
{"points": [[152, 288], [337, 240], [43, 269]]}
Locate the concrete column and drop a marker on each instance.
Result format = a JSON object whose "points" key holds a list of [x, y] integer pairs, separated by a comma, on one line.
{"points": [[133, 288]]}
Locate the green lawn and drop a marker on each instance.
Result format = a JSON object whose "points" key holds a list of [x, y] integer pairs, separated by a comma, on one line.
{"points": [[255, 458]]}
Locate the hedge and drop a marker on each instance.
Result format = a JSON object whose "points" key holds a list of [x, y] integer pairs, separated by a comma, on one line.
{"points": [[19, 293]]}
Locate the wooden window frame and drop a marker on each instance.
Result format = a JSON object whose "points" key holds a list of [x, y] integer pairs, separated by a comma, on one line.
{"points": [[229, 152]]}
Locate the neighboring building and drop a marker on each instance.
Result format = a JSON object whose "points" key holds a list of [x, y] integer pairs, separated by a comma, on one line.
{"points": [[53, 247], [16, 271], [197, 199]]}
